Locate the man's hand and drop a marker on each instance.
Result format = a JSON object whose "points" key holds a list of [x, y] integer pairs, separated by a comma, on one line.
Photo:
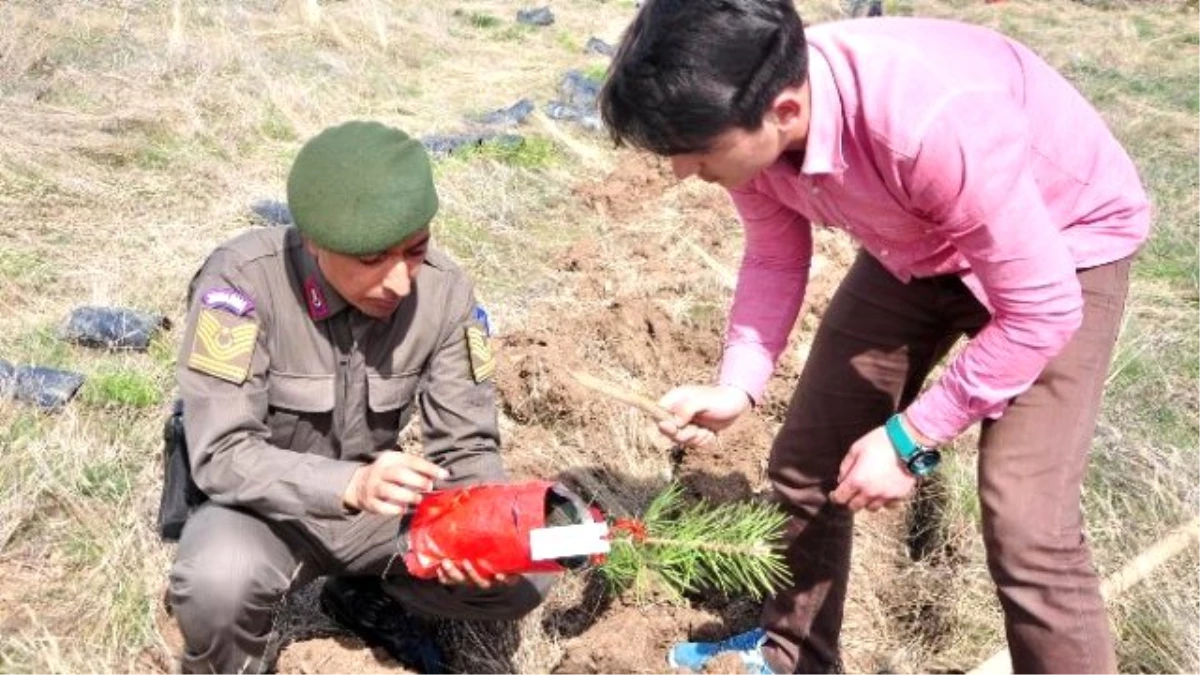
{"points": [[466, 574], [700, 411], [872, 475], [390, 484]]}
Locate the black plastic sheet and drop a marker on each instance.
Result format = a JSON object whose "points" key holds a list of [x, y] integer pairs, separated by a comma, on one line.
{"points": [[578, 101], [511, 116], [597, 46], [273, 211], [442, 145], [539, 16], [47, 388], [112, 327]]}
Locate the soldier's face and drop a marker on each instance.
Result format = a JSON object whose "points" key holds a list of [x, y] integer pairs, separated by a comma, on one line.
{"points": [[377, 283]]}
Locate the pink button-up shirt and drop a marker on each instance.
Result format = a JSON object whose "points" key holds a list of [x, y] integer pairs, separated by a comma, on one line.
{"points": [[942, 148]]}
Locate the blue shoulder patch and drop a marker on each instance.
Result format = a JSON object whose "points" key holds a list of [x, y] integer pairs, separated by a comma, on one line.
{"points": [[481, 315]]}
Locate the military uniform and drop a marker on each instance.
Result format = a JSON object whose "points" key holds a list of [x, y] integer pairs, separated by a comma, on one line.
{"points": [[287, 389]]}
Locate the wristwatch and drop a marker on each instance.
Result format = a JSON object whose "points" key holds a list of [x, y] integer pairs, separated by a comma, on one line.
{"points": [[921, 460]]}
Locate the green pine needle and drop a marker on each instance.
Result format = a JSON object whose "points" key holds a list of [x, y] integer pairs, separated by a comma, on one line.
{"points": [[732, 547]]}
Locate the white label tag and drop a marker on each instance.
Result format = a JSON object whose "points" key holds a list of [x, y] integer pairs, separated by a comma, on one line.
{"points": [[550, 543]]}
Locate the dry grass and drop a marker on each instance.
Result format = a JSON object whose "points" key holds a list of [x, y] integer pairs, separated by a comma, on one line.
{"points": [[135, 135]]}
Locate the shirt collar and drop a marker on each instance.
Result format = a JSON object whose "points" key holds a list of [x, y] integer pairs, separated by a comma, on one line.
{"points": [[823, 150]]}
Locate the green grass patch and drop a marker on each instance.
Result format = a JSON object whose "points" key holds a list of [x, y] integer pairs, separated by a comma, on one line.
{"points": [[163, 352], [531, 153], [958, 480], [1105, 85], [82, 548], [19, 430], [568, 42], [39, 347], [1170, 174], [595, 72], [26, 268], [107, 481], [475, 19], [121, 387], [275, 125], [517, 32]]}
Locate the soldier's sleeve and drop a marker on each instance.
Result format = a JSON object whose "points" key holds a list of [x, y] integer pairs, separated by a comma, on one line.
{"points": [[458, 397], [222, 372]]}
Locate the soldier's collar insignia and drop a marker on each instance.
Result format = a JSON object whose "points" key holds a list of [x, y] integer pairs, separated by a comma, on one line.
{"points": [[223, 345], [483, 363], [314, 297], [228, 299]]}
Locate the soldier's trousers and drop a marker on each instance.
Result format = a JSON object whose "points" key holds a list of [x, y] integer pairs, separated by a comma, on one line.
{"points": [[876, 345], [232, 570]]}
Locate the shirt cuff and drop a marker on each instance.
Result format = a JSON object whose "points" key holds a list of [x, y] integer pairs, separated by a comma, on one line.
{"points": [[748, 368], [934, 416], [333, 489]]}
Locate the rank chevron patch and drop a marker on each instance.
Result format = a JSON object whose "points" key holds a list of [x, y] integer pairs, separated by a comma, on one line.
{"points": [[223, 346], [482, 362]]}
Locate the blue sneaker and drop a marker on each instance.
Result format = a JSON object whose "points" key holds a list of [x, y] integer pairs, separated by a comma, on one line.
{"points": [[748, 647]]}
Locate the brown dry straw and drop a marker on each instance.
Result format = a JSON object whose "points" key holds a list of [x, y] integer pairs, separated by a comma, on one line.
{"points": [[1133, 573]]}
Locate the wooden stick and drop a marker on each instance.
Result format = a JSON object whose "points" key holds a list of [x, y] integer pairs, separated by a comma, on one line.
{"points": [[1127, 577], [727, 276], [1140, 567], [623, 395]]}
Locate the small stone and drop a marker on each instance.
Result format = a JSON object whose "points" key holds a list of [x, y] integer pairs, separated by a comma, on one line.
{"points": [[597, 46], [540, 16]]}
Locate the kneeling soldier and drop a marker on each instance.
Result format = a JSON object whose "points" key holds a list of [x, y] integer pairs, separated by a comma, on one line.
{"points": [[307, 350]]}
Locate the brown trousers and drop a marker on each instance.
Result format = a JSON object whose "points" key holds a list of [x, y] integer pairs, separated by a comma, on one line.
{"points": [[871, 355], [233, 568]]}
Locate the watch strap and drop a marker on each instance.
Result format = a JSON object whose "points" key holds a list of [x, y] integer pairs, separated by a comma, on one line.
{"points": [[905, 446]]}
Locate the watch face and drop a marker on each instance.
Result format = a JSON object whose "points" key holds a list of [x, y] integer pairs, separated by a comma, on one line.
{"points": [[923, 462]]}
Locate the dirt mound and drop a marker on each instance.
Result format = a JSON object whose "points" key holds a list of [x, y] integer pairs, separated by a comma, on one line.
{"points": [[633, 337], [629, 639], [638, 181], [740, 454], [342, 654], [533, 377], [645, 341]]}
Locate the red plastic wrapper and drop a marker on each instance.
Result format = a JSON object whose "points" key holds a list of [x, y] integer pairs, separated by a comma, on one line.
{"points": [[489, 526]]}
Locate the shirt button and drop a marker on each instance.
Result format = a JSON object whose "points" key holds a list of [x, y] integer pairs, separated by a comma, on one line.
{"points": [[816, 190], [884, 253]]}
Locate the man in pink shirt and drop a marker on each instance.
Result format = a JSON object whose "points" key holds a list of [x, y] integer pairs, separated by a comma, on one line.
{"points": [[990, 200]]}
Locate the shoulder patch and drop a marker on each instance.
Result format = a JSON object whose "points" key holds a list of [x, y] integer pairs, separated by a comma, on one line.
{"points": [[480, 315], [228, 299], [223, 345], [483, 363]]}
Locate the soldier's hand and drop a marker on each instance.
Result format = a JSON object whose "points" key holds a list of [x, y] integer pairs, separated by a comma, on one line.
{"points": [[464, 573], [390, 484]]}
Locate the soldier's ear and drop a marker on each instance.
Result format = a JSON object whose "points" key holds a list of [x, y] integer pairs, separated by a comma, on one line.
{"points": [[309, 246]]}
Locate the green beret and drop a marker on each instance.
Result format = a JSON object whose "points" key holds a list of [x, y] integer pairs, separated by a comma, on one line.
{"points": [[361, 188]]}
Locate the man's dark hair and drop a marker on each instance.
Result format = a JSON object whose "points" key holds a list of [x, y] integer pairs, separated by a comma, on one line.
{"points": [[688, 70]]}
